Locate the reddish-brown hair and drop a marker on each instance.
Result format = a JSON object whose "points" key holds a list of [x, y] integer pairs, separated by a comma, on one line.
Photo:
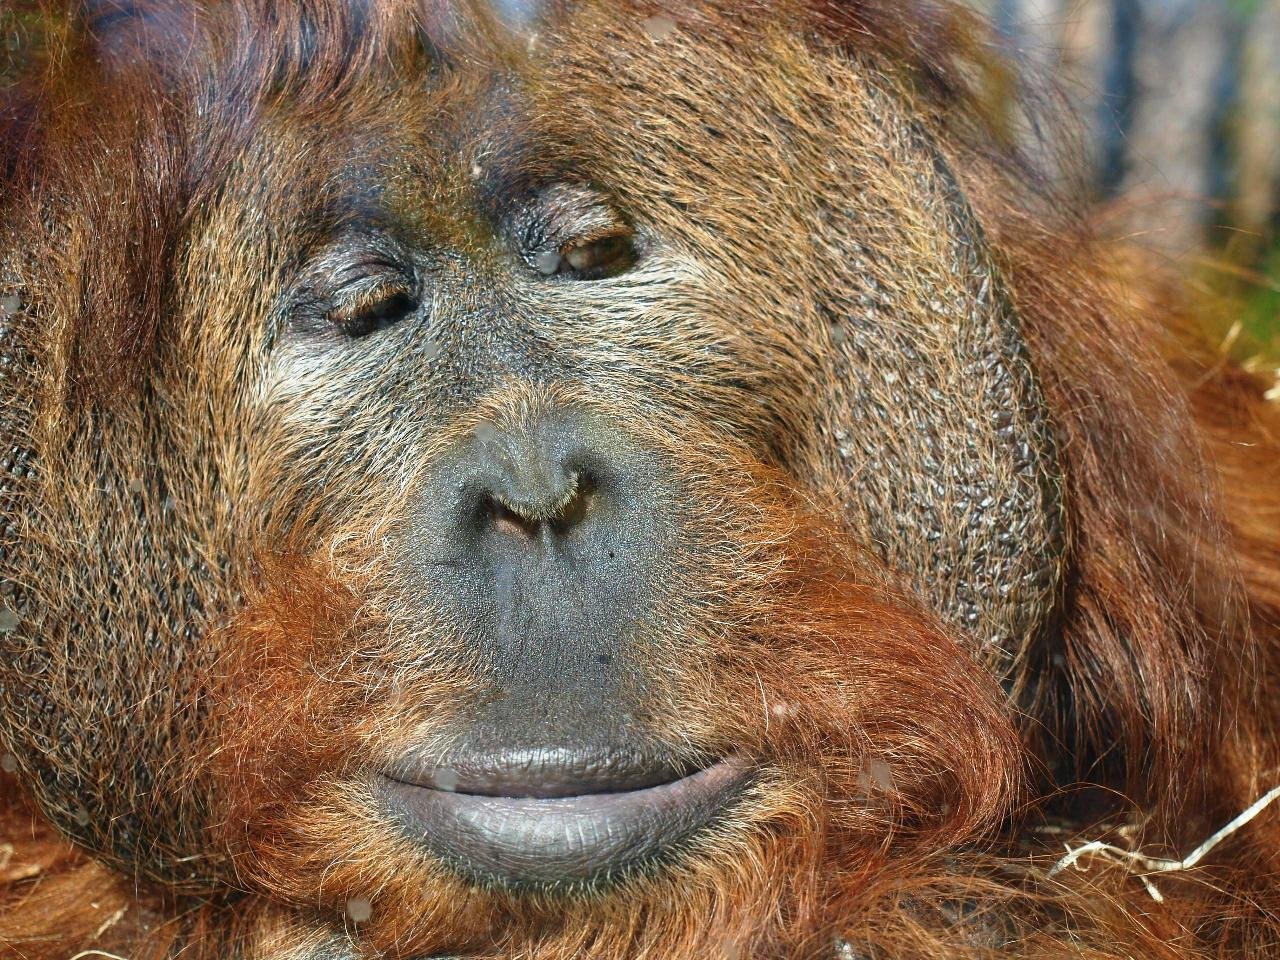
{"points": [[1153, 687]]}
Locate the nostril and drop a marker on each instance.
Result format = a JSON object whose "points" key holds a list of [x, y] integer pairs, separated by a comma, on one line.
{"points": [[557, 507], [503, 519], [577, 505]]}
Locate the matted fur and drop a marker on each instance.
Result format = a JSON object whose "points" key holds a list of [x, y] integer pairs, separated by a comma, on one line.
{"points": [[919, 780]]}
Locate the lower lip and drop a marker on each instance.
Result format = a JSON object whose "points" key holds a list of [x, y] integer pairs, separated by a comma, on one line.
{"points": [[520, 841]]}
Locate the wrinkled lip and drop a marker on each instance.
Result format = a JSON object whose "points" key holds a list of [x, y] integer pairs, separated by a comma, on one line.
{"points": [[549, 817]]}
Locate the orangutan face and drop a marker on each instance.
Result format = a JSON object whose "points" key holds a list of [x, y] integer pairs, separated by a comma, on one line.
{"points": [[541, 486]]}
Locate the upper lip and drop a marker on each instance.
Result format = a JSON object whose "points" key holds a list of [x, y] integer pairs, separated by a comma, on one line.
{"points": [[550, 816], [543, 773]]}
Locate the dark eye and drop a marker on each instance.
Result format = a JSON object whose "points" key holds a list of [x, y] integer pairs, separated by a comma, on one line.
{"points": [[590, 259], [366, 311], [606, 257]]}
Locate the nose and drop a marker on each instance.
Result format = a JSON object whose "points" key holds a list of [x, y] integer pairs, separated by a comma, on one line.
{"points": [[531, 487], [538, 482], [545, 542]]}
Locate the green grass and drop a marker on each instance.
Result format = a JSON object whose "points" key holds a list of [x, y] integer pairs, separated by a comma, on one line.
{"points": [[1261, 317]]}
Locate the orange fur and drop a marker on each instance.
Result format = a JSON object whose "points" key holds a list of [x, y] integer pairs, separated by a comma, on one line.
{"points": [[907, 805]]}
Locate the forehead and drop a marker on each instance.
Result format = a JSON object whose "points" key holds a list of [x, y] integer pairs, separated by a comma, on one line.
{"points": [[608, 95]]}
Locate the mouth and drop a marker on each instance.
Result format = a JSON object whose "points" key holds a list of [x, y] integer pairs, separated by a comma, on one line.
{"points": [[551, 817]]}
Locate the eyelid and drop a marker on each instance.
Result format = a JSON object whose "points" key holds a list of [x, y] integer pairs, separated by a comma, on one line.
{"points": [[569, 215], [371, 265], [366, 293], [615, 230]]}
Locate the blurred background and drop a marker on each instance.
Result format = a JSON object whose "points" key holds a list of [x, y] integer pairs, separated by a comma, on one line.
{"points": [[1179, 136]]}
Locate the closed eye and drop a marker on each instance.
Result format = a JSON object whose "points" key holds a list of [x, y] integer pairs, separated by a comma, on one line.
{"points": [[375, 309]]}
